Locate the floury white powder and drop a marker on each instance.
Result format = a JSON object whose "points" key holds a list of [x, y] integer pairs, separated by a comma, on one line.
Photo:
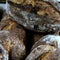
{"points": [[52, 38]]}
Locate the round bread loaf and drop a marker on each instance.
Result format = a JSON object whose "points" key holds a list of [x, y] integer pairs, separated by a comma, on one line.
{"points": [[13, 45], [35, 14]]}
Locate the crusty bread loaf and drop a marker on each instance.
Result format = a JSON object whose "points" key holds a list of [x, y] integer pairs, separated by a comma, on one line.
{"points": [[35, 14], [39, 51], [9, 25], [12, 44], [12, 38]]}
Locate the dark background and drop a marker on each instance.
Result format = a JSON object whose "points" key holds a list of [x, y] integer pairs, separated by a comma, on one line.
{"points": [[2, 1]]}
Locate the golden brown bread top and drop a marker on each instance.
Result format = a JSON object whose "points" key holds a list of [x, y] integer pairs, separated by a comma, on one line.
{"points": [[7, 24], [17, 1], [50, 55], [39, 8], [23, 1], [45, 56]]}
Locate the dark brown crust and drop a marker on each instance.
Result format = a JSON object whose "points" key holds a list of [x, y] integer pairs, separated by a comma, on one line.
{"points": [[36, 37]]}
